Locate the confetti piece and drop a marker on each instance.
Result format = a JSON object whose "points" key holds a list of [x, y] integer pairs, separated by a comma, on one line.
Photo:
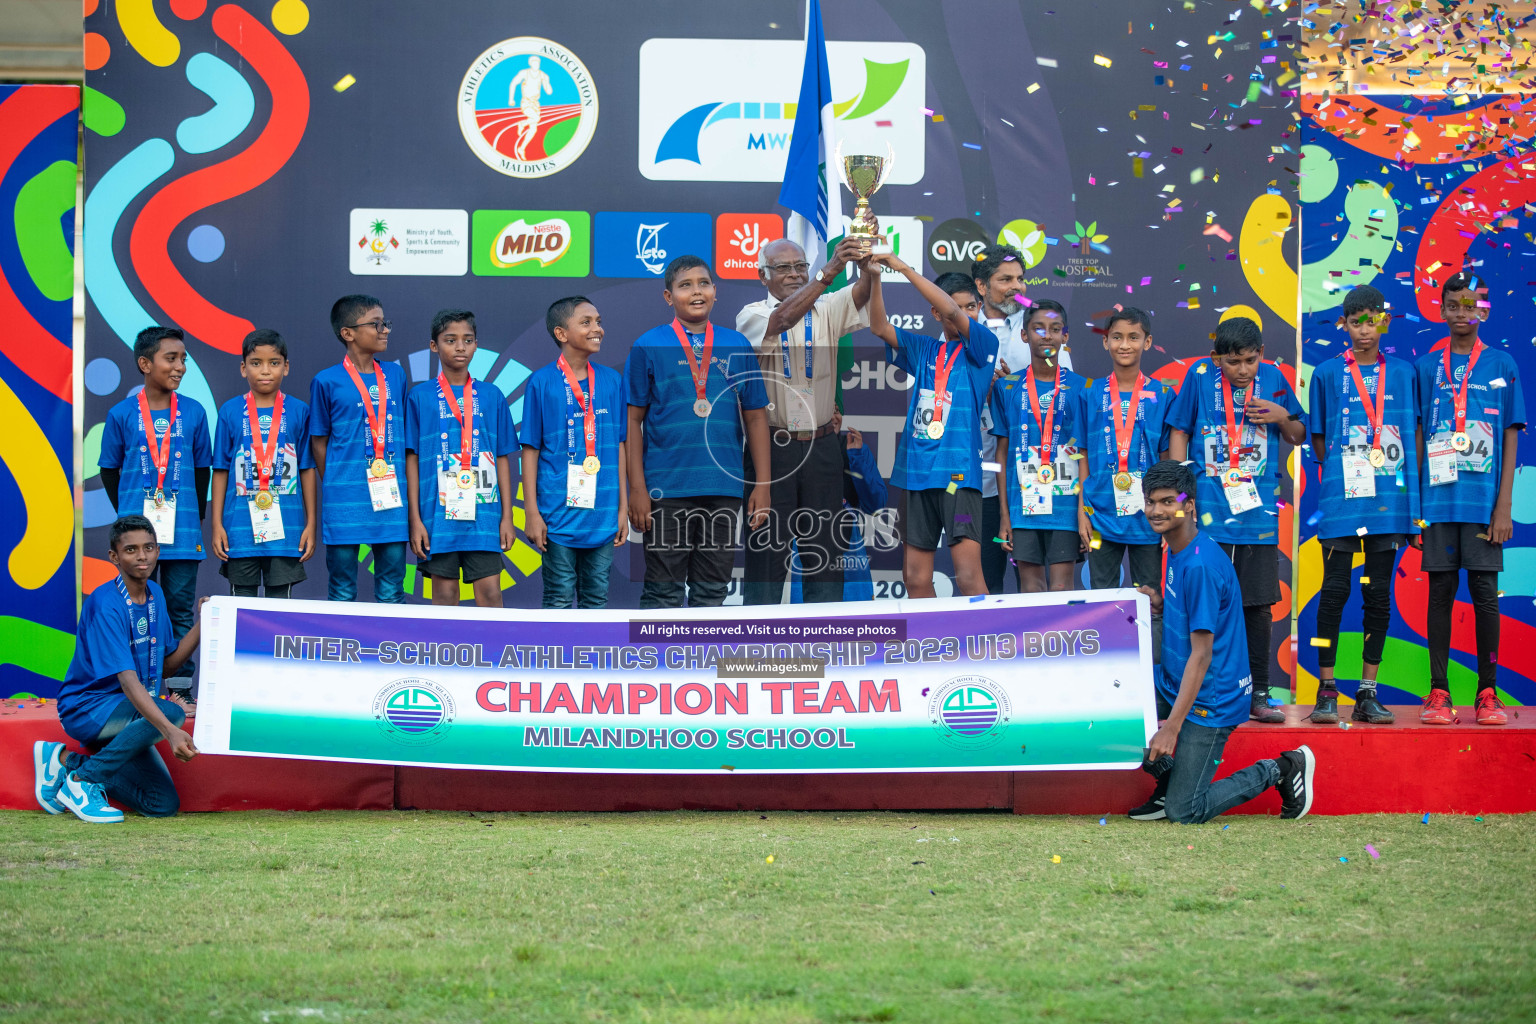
{"points": [[768, 859], [970, 145], [1033, 87], [1343, 860], [1046, 62], [1103, 821], [1426, 819], [1225, 827], [884, 124], [347, 82], [1102, 61], [1056, 858], [1372, 851], [937, 118], [951, 488]]}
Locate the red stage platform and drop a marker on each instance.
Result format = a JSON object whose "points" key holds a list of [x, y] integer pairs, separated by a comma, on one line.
{"points": [[1407, 768]]}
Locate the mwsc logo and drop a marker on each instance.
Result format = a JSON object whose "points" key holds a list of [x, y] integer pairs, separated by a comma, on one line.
{"points": [[413, 712], [527, 107]]}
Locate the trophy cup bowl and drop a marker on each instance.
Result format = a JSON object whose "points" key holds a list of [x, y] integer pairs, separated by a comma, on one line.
{"points": [[864, 174]]}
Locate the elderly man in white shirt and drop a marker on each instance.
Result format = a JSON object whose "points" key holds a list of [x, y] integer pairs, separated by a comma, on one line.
{"points": [[796, 331], [999, 277]]}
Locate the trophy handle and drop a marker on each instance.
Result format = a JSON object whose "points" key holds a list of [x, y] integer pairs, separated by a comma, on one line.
{"points": [[890, 161]]}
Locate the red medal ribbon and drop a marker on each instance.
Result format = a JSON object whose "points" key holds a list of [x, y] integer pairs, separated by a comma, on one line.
{"points": [[1234, 425], [464, 416], [699, 368], [1458, 397], [375, 418], [941, 377], [588, 407], [264, 452], [1381, 394], [1050, 411], [1124, 431], [159, 454]]}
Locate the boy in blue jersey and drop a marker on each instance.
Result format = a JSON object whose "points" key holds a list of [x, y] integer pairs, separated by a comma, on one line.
{"points": [[1228, 420], [1124, 433], [164, 477], [458, 470], [111, 702], [938, 459], [357, 431], [1036, 417], [574, 489], [267, 524], [864, 491], [1363, 413], [1204, 686], [694, 390], [1471, 409]]}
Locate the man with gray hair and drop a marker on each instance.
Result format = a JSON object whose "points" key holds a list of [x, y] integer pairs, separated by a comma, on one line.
{"points": [[795, 331]]}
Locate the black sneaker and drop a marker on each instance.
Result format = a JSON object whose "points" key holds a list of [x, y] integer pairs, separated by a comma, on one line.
{"points": [[1369, 709], [1295, 785], [1326, 712], [1260, 711], [1153, 809]]}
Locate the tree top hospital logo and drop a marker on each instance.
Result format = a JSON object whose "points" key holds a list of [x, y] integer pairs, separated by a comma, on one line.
{"points": [[528, 107], [413, 712], [970, 712]]}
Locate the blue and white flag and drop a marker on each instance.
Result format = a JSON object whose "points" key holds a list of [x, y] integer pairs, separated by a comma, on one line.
{"points": [[810, 194]]}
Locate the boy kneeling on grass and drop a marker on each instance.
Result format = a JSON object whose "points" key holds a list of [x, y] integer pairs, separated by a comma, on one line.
{"points": [[1204, 683], [110, 701]]}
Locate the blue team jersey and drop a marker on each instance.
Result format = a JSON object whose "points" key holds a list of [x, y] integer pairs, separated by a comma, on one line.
{"points": [[1149, 436], [1200, 411], [1013, 418], [554, 425], [232, 452], [1338, 416], [123, 447], [336, 412], [689, 456], [1495, 402], [114, 636], [1202, 594], [432, 431], [923, 462]]}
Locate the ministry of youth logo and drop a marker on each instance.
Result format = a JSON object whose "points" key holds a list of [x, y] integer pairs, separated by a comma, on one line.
{"points": [[970, 712], [413, 711], [528, 107]]}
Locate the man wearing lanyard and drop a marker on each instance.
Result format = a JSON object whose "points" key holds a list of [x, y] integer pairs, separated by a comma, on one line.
{"points": [[357, 433], [999, 277], [1471, 410], [1362, 411], [795, 332]]}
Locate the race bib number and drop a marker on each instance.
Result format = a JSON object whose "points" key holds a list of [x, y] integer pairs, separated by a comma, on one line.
{"points": [[383, 491], [1252, 456], [458, 502], [163, 518], [1359, 476], [1241, 496], [580, 487], [1442, 460], [266, 523], [922, 414], [1478, 458], [1035, 497], [799, 410], [1391, 446], [1130, 502], [285, 472]]}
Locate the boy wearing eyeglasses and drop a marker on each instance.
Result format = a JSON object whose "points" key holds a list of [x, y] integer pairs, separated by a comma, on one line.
{"points": [[1362, 412], [1471, 409], [357, 432]]}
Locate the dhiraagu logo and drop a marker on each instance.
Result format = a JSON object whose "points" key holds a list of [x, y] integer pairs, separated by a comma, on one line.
{"points": [[970, 712], [413, 712], [741, 131]]}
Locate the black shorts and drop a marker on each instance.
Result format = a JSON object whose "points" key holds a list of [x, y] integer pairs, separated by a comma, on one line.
{"points": [[473, 565], [263, 571], [1452, 546], [1046, 547], [1368, 544], [1258, 572], [935, 511]]}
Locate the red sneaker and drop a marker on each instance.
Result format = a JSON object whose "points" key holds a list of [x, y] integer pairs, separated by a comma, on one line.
{"points": [[1437, 708], [1489, 710]]}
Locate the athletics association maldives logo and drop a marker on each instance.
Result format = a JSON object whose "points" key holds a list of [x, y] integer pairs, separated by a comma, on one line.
{"points": [[528, 107], [413, 711], [970, 712]]}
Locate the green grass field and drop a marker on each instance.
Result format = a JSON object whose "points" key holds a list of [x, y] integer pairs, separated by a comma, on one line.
{"points": [[446, 917]]}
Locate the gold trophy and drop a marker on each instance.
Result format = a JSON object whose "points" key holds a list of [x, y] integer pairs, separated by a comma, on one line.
{"points": [[864, 175]]}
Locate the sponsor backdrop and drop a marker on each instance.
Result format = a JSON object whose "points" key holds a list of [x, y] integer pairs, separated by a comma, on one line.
{"points": [[1015, 683], [1402, 191], [263, 160], [39, 127]]}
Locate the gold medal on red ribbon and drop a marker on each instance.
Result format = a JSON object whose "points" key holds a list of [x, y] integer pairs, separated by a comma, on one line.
{"points": [[466, 479], [590, 465], [1122, 481], [1046, 474], [936, 429], [1460, 441], [1233, 477], [378, 467], [1377, 458], [263, 500], [159, 497]]}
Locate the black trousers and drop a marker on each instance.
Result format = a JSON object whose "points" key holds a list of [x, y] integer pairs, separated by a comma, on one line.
{"points": [[690, 549], [807, 494], [1376, 594], [994, 560], [1484, 588]]}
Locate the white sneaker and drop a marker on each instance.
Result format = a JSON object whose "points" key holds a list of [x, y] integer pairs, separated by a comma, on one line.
{"points": [[47, 774], [88, 801]]}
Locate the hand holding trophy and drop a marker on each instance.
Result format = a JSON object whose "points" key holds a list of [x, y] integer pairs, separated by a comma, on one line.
{"points": [[864, 175]]}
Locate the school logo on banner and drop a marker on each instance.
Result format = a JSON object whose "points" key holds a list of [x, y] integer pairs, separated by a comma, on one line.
{"points": [[413, 711], [531, 243], [970, 712], [528, 107], [642, 244], [725, 110]]}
